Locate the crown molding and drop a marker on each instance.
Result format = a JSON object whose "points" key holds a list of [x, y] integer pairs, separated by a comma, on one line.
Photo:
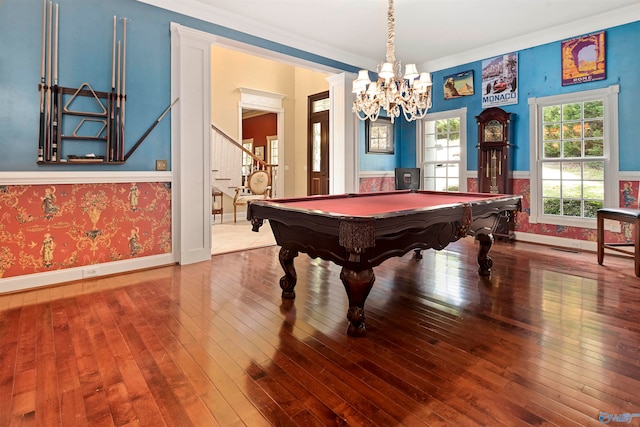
{"points": [[599, 22], [235, 22], [199, 10]]}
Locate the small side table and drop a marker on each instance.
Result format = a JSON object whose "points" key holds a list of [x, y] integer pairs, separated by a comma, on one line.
{"points": [[216, 203]]}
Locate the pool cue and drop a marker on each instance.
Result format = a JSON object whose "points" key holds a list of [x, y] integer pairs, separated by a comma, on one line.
{"points": [[54, 121], [123, 94], [112, 97], [47, 139], [42, 83], [117, 115], [148, 131]]}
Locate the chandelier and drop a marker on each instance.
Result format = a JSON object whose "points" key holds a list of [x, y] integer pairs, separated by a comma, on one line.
{"points": [[392, 91]]}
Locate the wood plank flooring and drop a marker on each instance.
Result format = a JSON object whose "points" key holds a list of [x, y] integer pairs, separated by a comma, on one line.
{"points": [[551, 338]]}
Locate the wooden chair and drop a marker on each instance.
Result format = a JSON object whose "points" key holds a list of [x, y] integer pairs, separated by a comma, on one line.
{"points": [[258, 187], [631, 216]]}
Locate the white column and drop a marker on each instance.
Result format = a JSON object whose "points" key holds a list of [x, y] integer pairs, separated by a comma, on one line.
{"points": [[190, 142], [343, 151]]}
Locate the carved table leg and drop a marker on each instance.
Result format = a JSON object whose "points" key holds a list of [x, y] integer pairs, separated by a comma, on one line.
{"points": [[358, 285], [484, 260], [290, 278]]}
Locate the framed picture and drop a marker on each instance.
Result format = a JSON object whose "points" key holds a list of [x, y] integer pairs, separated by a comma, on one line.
{"points": [[584, 59], [457, 85], [379, 136], [259, 152], [500, 80]]}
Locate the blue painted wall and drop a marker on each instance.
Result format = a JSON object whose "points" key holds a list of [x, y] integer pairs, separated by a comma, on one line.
{"points": [[85, 56], [85, 42], [539, 75]]}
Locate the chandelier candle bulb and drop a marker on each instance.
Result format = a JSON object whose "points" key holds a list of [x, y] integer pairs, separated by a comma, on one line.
{"points": [[386, 72], [411, 72]]}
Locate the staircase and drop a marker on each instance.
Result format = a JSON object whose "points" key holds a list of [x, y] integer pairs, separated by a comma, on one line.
{"points": [[226, 163]]}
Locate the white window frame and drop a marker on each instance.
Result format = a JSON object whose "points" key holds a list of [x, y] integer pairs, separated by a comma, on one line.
{"points": [[247, 160], [461, 114], [273, 145], [609, 95]]}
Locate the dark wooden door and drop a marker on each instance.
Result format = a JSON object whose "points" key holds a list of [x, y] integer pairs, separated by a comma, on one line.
{"points": [[318, 144]]}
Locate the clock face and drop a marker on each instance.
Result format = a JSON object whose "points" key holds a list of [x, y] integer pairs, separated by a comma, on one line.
{"points": [[493, 131]]}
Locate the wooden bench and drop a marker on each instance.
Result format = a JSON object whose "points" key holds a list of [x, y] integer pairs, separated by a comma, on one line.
{"points": [[631, 216]]}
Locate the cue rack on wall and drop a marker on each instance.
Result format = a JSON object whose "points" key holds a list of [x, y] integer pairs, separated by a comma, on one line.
{"points": [[89, 123]]}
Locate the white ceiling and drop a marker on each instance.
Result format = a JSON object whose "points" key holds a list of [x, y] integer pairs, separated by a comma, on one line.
{"points": [[435, 34]]}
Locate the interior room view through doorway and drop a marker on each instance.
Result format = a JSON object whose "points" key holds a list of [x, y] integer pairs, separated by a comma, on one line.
{"points": [[259, 136], [283, 148]]}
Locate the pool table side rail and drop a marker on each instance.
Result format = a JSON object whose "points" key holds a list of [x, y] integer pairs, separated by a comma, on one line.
{"points": [[485, 203], [484, 219]]}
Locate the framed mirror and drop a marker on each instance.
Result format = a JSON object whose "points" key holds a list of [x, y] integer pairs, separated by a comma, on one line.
{"points": [[379, 136]]}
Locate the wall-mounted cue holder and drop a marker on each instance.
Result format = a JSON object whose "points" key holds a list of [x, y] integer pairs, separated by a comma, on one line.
{"points": [[85, 127], [80, 125]]}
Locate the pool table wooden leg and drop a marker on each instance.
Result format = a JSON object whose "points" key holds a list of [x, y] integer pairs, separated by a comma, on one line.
{"points": [[358, 284], [484, 261], [290, 278]]}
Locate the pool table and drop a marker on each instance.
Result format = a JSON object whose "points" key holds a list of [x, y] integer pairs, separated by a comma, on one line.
{"points": [[360, 231]]}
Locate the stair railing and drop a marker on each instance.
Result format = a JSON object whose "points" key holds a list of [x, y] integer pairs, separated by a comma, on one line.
{"points": [[257, 161]]}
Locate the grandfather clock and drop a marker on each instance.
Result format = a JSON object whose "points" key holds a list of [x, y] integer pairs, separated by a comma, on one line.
{"points": [[494, 159]]}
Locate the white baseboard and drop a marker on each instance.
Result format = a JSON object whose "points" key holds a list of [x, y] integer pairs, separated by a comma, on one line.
{"points": [[28, 281], [563, 242]]}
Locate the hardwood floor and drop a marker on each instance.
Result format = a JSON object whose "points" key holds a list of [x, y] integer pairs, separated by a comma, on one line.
{"points": [[551, 338]]}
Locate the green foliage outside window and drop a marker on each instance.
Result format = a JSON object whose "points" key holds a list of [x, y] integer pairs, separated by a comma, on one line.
{"points": [[575, 131]]}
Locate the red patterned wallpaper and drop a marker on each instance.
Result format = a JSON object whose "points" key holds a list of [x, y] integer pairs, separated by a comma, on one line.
{"points": [[377, 183], [53, 227], [628, 193]]}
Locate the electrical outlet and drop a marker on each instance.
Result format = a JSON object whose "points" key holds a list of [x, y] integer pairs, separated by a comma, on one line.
{"points": [[576, 244], [89, 272], [161, 165]]}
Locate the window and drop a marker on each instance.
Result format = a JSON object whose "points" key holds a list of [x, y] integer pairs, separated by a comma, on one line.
{"points": [[272, 143], [442, 151], [321, 104], [574, 159], [247, 161]]}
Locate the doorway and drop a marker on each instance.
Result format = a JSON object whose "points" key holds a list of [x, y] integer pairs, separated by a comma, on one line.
{"points": [[191, 70], [261, 127], [318, 144], [259, 130]]}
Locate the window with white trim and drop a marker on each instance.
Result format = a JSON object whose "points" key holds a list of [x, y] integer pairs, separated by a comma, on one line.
{"points": [[273, 147], [574, 156], [442, 146], [247, 161]]}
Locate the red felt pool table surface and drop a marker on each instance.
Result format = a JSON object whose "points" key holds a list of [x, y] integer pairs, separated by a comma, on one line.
{"points": [[371, 204]]}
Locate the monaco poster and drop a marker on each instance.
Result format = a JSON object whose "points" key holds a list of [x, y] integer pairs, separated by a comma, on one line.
{"points": [[500, 80]]}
